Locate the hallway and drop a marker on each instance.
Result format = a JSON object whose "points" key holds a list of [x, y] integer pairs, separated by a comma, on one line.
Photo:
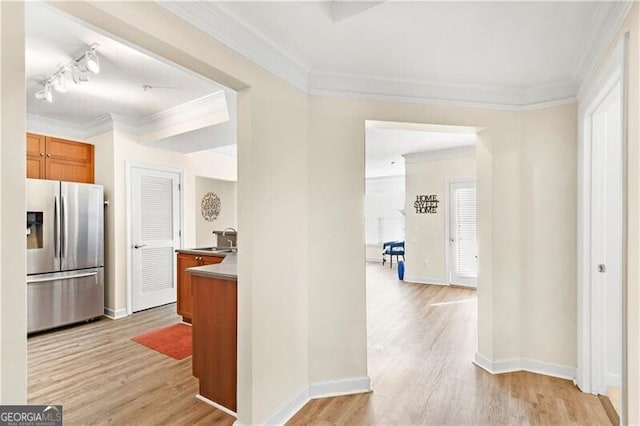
{"points": [[421, 340]]}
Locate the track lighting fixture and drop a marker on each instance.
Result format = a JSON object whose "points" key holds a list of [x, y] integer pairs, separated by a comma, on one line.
{"points": [[79, 70]]}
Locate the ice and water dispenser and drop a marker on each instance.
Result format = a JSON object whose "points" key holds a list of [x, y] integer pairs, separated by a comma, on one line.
{"points": [[34, 230]]}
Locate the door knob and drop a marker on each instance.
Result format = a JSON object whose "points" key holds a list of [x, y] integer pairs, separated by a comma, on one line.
{"points": [[139, 246]]}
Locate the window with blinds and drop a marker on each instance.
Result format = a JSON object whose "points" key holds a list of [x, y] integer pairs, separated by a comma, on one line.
{"points": [[467, 245]]}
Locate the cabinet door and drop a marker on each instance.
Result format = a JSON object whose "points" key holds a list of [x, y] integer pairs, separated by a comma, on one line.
{"points": [[69, 161], [211, 260], [185, 299], [215, 345], [35, 156]]}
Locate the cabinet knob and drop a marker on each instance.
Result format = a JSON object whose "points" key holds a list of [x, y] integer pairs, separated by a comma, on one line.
{"points": [[42, 154], [48, 155]]}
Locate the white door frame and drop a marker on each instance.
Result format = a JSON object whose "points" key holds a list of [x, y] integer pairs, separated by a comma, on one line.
{"points": [[447, 236], [129, 166], [612, 74]]}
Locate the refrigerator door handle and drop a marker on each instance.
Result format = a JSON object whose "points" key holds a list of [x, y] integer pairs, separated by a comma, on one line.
{"points": [[56, 227], [65, 227], [67, 277]]}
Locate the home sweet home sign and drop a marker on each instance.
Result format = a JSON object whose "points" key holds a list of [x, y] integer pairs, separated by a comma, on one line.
{"points": [[426, 203]]}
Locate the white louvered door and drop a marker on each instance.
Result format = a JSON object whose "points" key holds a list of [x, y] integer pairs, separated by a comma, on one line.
{"points": [[463, 255], [155, 234]]}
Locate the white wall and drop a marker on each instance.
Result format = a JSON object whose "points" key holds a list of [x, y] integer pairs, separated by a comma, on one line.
{"points": [[227, 192], [336, 297], [549, 214], [384, 200], [426, 240], [13, 300]]}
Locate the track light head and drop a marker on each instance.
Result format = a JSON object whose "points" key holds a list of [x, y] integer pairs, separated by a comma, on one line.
{"points": [[91, 61], [59, 84], [45, 93], [77, 75]]}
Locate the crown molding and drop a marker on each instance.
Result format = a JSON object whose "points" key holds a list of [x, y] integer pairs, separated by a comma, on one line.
{"points": [[440, 154], [392, 90], [608, 21], [212, 107], [99, 125], [54, 127], [242, 37], [232, 30]]}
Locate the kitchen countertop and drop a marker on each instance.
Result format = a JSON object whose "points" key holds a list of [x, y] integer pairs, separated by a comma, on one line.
{"points": [[225, 270], [204, 252]]}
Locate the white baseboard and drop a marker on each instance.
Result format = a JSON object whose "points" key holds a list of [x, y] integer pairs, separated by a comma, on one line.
{"points": [[524, 364], [339, 387], [421, 280], [216, 405], [115, 314], [290, 408], [319, 390]]}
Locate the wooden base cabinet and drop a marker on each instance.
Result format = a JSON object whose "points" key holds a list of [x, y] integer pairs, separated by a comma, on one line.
{"points": [[185, 298], [215, 336]]}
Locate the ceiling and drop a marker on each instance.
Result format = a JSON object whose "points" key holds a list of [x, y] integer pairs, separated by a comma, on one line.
{"points": [[385, 147], [499, 53], [53, 39]]}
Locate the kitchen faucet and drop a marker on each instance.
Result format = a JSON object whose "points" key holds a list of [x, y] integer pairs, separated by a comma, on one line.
{"points": [[224, 232], [230, 241]]}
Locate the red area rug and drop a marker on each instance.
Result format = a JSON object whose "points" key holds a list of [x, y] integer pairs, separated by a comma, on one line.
{"points": [[174, 341]]}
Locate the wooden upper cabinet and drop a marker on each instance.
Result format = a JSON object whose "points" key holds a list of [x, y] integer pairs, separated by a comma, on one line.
{"points": [[59, 159], [35, 156]]}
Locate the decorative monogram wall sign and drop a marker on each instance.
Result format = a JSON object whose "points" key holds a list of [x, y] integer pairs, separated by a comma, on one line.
{"points": [[426, 203], [210, 206]]}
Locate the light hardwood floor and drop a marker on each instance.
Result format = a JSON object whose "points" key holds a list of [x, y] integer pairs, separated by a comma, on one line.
{"points": [[100, 376], [421, 342]]}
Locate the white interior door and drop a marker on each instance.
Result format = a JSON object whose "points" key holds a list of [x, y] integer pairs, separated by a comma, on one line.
{"points": [[155, 234], [607, 240], [463, 252]]}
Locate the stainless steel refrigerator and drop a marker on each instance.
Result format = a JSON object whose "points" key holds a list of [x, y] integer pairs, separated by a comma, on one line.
{"points": [[65, 253]]}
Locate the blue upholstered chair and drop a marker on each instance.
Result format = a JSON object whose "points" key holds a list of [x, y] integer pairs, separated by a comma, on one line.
{"points": [[392, 248]]}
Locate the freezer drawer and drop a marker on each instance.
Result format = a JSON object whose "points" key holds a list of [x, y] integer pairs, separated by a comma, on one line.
{"points": [[64, 298]]}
